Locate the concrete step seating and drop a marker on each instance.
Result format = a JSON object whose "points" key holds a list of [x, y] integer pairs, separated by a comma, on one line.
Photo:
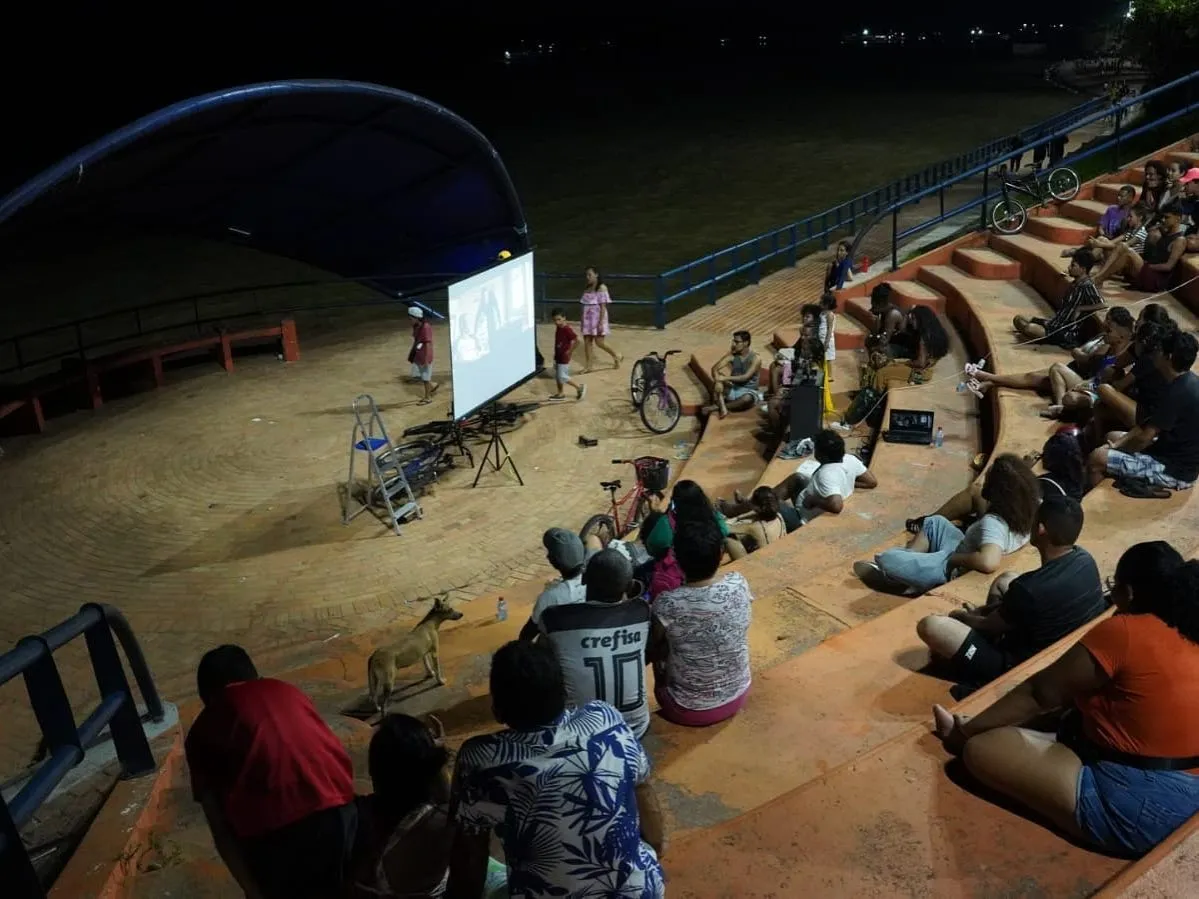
{"points": [[829, 777]]}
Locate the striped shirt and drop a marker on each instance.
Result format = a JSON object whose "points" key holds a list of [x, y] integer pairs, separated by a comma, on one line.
{"points": [[1135, 240], [1081, 293]]}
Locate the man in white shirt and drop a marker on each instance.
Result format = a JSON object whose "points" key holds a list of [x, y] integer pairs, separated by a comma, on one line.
{"points": [[820, 484]]}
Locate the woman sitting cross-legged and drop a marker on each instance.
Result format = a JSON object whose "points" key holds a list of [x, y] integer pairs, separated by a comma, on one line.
{"points": [[940, 551], [1122, 772]]}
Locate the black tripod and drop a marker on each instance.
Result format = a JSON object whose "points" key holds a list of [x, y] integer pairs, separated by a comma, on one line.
{"points": [[497, 444]]}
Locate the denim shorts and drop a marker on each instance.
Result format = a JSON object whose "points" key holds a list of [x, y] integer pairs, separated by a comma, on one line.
{"points": [[1129, 810]]}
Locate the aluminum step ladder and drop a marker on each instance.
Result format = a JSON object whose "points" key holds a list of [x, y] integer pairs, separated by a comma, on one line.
{"points": [[386, 491]]}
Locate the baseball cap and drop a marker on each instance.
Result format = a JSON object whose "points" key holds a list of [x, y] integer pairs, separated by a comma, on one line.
{"points": [[1189, 175], [564, 549], [416, 311]]}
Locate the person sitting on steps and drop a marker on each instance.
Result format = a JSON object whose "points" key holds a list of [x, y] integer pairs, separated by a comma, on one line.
{"points": [[1162, 450], [887, 338], [1025, 613], [1064, 382], [735, 378], [1081, 299], [1122, 772], [1150, 272]]}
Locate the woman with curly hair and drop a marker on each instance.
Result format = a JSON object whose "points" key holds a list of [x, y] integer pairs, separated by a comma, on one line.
{"points": [[939, 552], [1121, 773]]}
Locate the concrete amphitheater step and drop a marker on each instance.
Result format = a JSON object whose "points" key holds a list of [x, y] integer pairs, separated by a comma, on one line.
{"points": [[986, 263], [1109, 191], [1088, 212], [1056, 229], [864, 828]]}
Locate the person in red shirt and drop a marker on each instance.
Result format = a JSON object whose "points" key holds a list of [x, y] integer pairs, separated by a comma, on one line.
{"points": [[275, 783], [565, 341], [421, 354]]}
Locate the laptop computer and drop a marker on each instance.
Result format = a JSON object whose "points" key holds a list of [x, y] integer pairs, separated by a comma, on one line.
{"points": [[909, 426]]}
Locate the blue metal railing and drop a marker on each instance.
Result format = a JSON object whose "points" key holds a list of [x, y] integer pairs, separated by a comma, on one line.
{"points": [[990, 189], [64, 741]]}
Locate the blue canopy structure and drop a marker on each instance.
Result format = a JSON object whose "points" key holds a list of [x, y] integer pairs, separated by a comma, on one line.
{"points": [[361, 180]]}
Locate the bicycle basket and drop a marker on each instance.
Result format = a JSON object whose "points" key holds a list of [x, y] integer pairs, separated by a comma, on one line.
{"points": [[652, 473], [653, 369]]}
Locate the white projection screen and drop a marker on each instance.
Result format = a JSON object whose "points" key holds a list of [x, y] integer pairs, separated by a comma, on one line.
{"points": [[492, 333]]}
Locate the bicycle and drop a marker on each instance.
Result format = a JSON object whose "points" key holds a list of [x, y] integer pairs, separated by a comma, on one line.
{"points": [[1009, 215], [656, 401], [653, 476], [475, 427]]}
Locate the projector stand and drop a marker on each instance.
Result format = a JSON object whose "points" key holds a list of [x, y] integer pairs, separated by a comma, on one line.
{"points": [[497, 445]]}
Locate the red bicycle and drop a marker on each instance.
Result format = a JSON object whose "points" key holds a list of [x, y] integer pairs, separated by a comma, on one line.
{"points": [[627, 513]]}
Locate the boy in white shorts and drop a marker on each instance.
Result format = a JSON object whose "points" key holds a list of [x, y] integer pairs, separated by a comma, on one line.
{"points": [[565, 341]]}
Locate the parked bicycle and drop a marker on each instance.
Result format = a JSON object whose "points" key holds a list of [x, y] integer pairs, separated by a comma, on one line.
{"points": [[627, 513], [1010, 214], [653, 397], [476, 427]]}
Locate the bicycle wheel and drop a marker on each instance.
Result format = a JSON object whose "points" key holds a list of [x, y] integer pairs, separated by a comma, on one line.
{"points": [[430, 427], [408, 452], [599, 526], [637, 383], [1008, 216], [661, 409], [1063, 184]]}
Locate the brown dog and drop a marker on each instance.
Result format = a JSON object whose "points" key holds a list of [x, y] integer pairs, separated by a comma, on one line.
{"points": [[420, 645]]}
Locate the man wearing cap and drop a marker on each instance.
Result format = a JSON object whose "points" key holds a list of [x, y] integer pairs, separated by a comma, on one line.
{"points": [[1190, 200], [565, 551], [421, 355]]}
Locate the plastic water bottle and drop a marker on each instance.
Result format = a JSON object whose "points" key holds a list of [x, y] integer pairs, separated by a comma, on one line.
{"points": [[939, 440], [501, 610]]}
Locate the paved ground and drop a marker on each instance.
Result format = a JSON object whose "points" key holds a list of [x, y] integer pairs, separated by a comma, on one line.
{"points": [[209, 510]]}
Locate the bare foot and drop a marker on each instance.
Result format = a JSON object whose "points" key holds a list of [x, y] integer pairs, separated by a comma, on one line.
{"points": [[619, 359], [723, 412], [433, 387], [739, 497], [1053, 412]]}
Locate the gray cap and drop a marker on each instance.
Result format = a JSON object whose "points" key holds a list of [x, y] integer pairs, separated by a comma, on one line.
{"points": [[564, 548]]}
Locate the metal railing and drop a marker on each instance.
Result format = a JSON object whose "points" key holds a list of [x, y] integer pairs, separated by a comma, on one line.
{"points": [[990, 187], [65, 742]]}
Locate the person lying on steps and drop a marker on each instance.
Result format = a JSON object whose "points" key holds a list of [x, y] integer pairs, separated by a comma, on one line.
{"points": [[824, 490], [1162, 450], [735, 378], [1122, 772], [1025, 613], [939, 552], [1081, 299]]}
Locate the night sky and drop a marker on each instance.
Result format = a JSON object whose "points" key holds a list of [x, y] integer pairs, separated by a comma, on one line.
{"points": [[70, 76]]}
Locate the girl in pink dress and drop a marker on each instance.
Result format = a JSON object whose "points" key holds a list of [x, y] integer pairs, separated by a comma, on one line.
{"points": [[595, 319]]}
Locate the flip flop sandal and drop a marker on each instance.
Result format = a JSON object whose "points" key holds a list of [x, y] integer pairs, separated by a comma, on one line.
{"points": [[1142, 490], [914, 525]]}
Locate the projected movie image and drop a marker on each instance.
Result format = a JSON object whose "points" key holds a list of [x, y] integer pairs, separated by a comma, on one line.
{"points": [[492, 336]]}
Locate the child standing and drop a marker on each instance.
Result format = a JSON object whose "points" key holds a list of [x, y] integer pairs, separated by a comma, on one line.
{"points": [[828, 334], [565, 341], [421, 354]]}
